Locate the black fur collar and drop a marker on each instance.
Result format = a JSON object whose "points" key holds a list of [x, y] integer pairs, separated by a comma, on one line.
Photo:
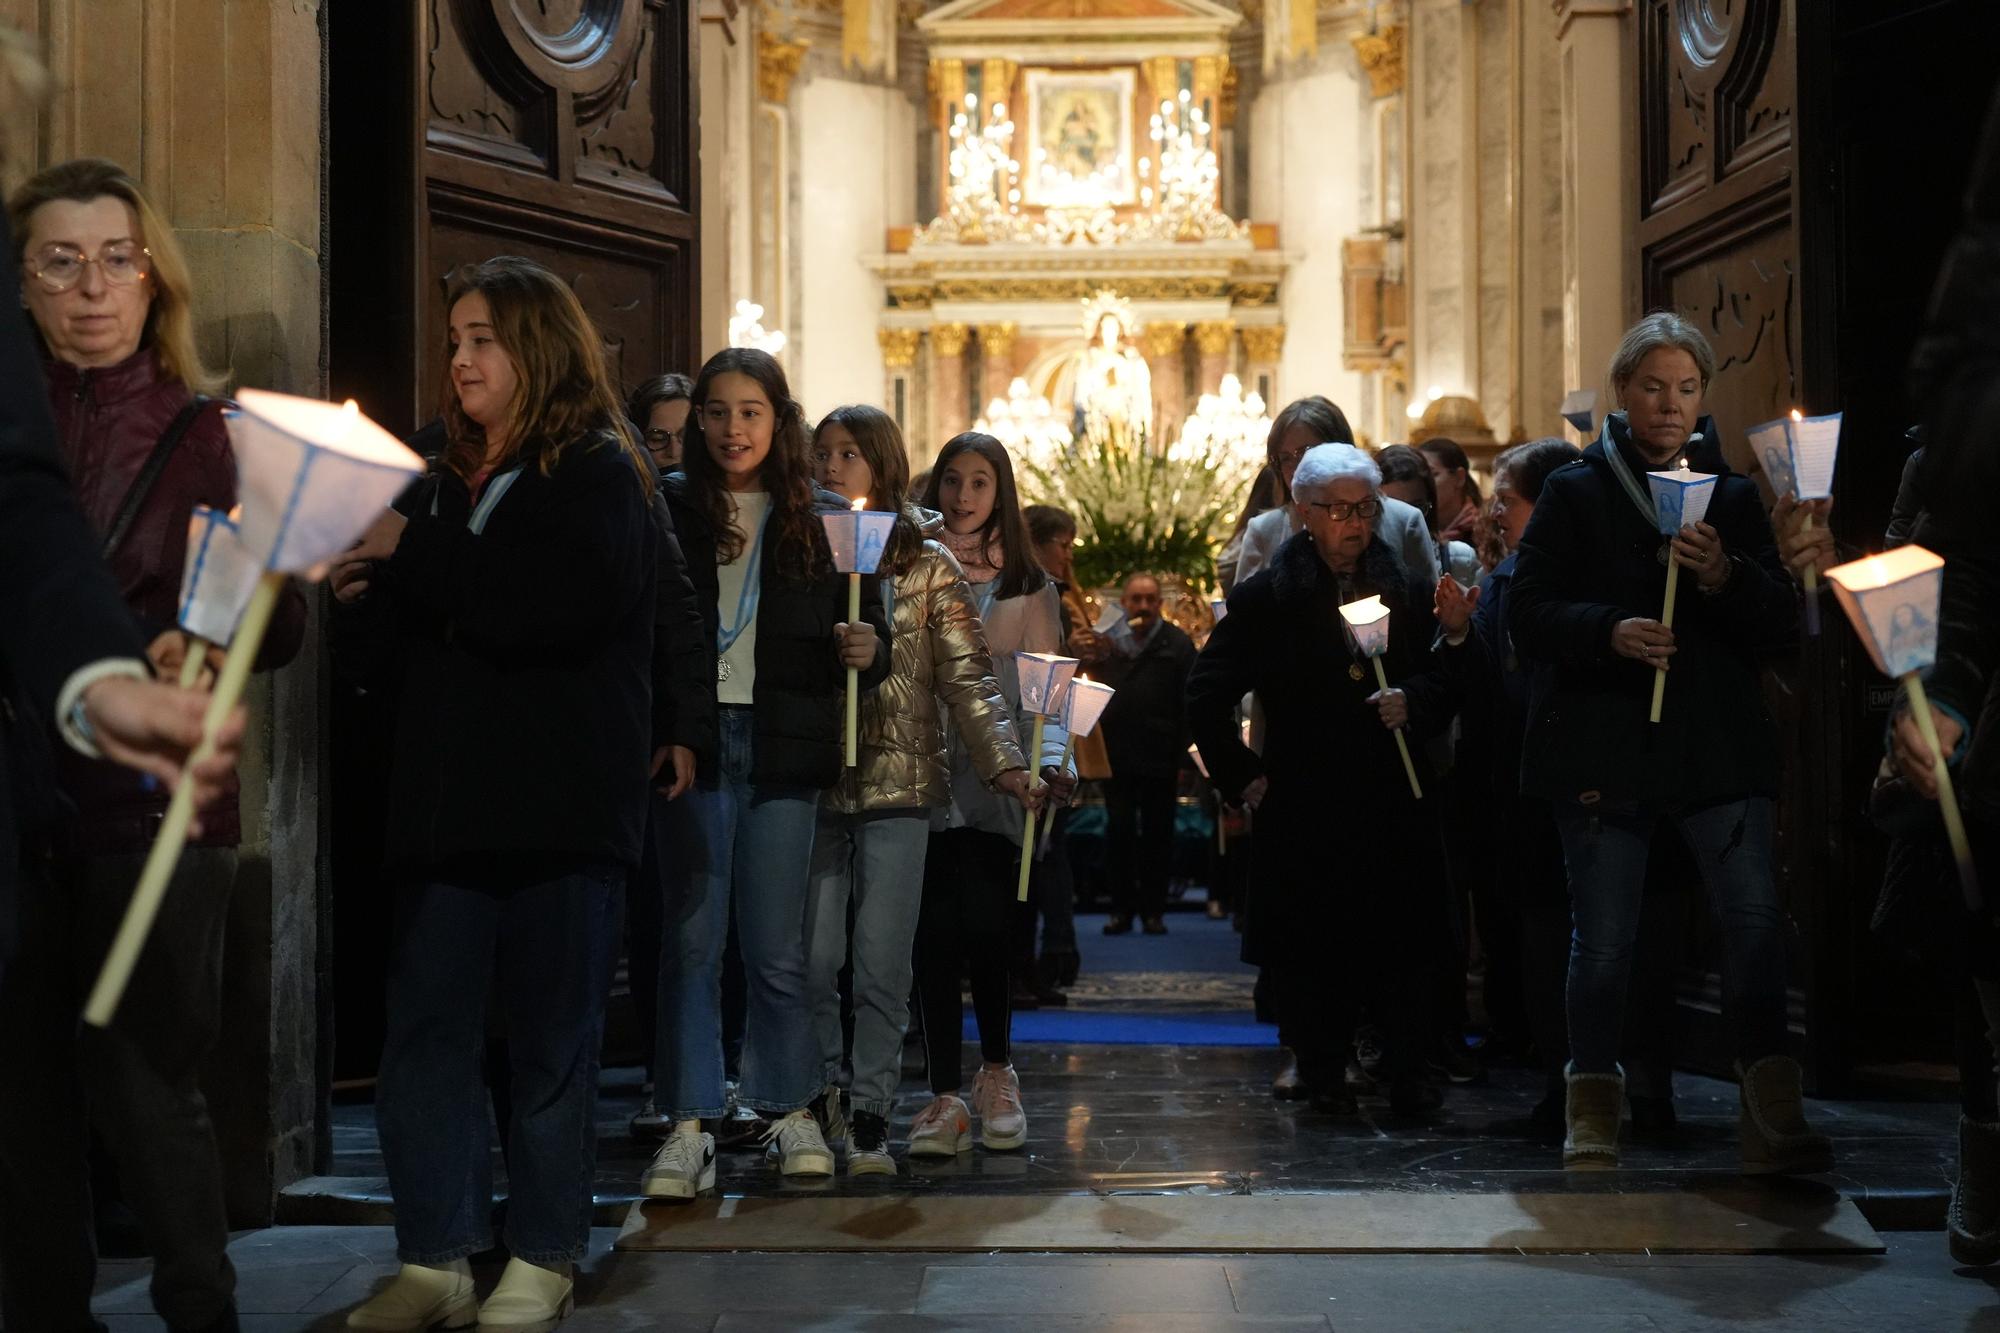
{"points": [[1297, 572]]}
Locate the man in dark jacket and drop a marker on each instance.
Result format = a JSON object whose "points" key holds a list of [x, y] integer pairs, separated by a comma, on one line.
{"points": [[1146, 658]]}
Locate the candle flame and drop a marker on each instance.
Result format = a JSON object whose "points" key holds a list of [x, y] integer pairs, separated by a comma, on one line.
{"points": [[861, 504], [1798, 415]]}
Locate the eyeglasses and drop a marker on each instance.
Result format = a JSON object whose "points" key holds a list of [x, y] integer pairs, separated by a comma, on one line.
{"points": [[60, 267], [1340, 511], [659, 439]]}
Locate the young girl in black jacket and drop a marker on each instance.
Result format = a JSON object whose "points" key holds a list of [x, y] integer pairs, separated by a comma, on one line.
{"points": [[519, 602], [748, 516]]}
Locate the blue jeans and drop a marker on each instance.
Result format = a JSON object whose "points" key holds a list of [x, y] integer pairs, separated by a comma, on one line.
{"points": [[1605, 847], [748, 850], [877, 860], [541, 943]]}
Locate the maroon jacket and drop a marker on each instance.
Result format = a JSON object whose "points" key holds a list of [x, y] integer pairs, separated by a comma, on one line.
{"points": [[108, 421]]}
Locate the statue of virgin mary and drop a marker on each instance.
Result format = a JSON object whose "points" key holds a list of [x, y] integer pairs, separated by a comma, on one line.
{"points": [[1113, 386]]}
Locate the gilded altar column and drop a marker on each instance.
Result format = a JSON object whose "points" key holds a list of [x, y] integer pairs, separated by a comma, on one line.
{"points": [[996, 361], [899, 358], [1262, 345], [1214, 339], [948, 386], [1163, 345]]}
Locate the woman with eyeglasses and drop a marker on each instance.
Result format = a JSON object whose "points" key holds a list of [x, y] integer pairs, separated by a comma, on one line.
{"points": [[109, 296], [659, 410], [1347, 888]]}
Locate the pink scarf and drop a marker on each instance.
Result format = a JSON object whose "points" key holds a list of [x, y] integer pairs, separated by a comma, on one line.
{"points": [[978, 553]]}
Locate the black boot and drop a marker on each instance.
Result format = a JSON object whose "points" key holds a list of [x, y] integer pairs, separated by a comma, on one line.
{"points": [[1973, 1224]]}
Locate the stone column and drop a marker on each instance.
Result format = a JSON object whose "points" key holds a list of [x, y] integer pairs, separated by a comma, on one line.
{"points": [[1444, 224], [1599, 177], [725, 180], [1164, 346], [899, 356], [1262, 345], [948, 384], [996, 361], [234, 164], [1214, 339]]}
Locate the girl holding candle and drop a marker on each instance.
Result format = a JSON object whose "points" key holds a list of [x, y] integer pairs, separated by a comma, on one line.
{"points": [[518, 606], [874, 825], [968, 907], [1590, 572], [748, 515]]}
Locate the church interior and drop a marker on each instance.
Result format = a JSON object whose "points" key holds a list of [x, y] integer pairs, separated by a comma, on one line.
{"points": [[1119, 236]]}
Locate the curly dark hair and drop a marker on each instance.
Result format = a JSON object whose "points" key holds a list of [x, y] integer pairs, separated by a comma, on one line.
{"points": [[800, 547]]}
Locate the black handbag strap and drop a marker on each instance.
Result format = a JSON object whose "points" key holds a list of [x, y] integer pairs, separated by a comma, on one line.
{"points": [[149, 475]]}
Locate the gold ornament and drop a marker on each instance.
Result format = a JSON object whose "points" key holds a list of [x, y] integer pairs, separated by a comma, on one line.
{"points": [[1262, 343], [777, 63], [1213, 336], [899, 347], [1383, 58], [1158, 340], [949, 339]]}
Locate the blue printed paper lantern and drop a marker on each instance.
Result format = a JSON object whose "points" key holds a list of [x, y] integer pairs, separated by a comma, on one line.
{"points": [[312, 477], [1892, 599], [1799, 453], [1045, 680], [858, 538], [1368, 621], [1680, 498], [220, 576]]}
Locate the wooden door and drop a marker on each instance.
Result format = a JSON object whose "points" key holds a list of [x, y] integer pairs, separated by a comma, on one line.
{"points": [[1788, 149]]}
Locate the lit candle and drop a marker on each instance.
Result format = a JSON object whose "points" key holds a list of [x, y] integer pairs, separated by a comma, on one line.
{"points": [[1368, 620], [1812, 575], [1045, 688], [312, 477], [1680, 499], [853, 674]]}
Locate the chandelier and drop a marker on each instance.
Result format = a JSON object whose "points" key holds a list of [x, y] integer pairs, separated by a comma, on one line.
{"points": [[746, 329], [982, 201], [1228, 426], [1025, 422], [1182, 204]]}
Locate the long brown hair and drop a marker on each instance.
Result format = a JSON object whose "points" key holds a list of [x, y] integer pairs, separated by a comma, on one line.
{"points": [[1020, 572], [169, 327], [881, 447], [801, 550], [1317, 414], [564, 392]]}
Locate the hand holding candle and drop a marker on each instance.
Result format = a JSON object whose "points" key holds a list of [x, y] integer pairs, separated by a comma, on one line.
{"points": [[1083, 704], [1680, 500], [1368, 622], [1893, 601], [1045, 685], [312, 476], [1799, 454], [857, 538]]}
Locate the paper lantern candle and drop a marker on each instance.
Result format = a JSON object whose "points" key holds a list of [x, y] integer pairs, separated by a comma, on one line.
{"points": [[1892, 599], [216, 587], [1045, 687], [311, 477], [1084, 703], [1680, 499], [1799, 453], [1218, 607], [858, 537], [1368, 622]]}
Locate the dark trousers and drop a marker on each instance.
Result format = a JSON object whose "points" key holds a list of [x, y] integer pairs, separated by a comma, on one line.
{"points": [[965, 923], [1386, 968], [135, 1083], [1139, 841], [1052, 901], [1535, 890], [540, 941]]}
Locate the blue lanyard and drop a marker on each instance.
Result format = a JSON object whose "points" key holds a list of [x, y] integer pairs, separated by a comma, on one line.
{"points": [[753, 592]]}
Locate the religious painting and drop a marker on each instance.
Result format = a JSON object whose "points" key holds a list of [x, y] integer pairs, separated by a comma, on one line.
{"points": [[1080, 138]]}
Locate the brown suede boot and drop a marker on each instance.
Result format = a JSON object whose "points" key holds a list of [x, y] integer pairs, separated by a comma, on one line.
{"points": [[1972, 1227], [1776, 1140], [1596, 1104]]}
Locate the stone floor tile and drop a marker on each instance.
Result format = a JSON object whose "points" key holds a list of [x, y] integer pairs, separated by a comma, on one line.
{"points": [[1110, 1287]]}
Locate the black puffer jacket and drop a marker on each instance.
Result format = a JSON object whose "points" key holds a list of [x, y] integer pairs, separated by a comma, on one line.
{"points": [[800, 682], [1589, 560], [524, 652]]}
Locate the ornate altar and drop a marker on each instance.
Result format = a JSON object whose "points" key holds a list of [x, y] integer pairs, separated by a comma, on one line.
{"points": [[1079, 149]]}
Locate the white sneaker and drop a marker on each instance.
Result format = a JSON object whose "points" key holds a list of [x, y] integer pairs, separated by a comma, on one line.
{"points": [[421, 1297], [683, 1167], [529, 1299], [650, 1124], [942, 1129], [996, 1100], [797, 1146]]}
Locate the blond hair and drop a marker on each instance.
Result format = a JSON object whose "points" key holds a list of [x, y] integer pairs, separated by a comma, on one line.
{"points": [[170, 322]]}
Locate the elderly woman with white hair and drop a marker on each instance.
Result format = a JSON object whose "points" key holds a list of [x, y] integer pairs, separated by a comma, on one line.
{"points": [[1589, 582], [1347, 898]]}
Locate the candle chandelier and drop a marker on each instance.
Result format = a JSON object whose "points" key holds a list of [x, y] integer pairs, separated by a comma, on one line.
{"points": [[1027, 424]]}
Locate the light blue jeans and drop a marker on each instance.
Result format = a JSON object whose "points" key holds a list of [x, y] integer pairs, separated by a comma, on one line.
{"points": [[746, 849], [875, 861]]}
